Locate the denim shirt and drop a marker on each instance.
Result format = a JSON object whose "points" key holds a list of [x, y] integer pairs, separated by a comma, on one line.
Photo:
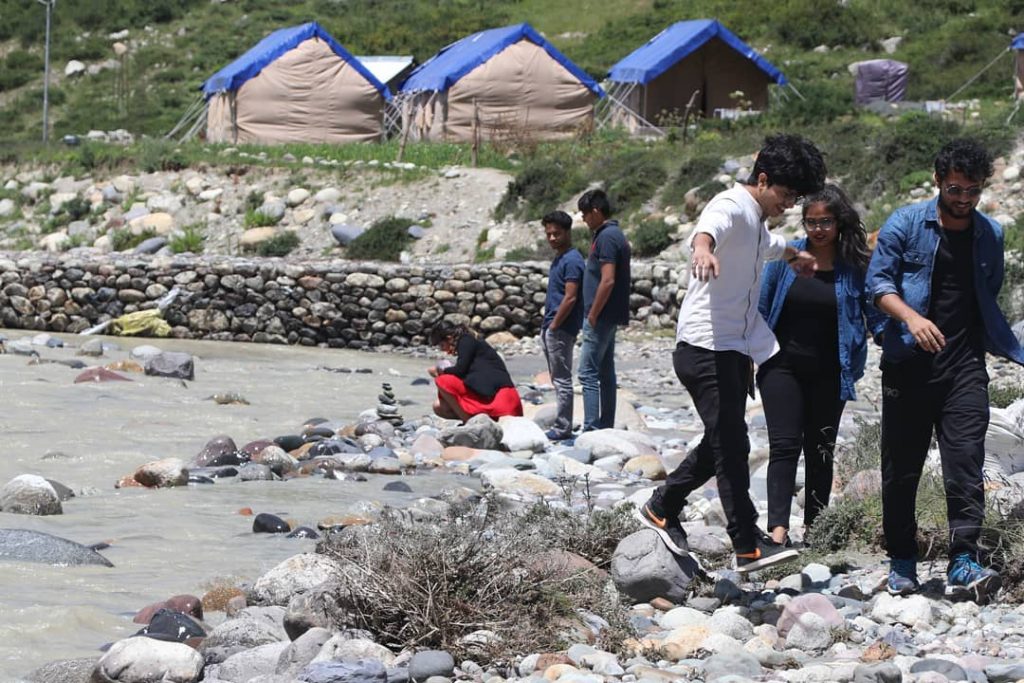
{"points": [[903, 262], [853, 307]]}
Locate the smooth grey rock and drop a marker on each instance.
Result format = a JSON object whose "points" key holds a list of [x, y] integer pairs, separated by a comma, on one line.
{"points": [[429, 663], [253, 471], [1004, 673], [732, 663], [644, 569], [93, 347], [301, 651], [480, 431], [882, 672], [810, 633], [342, 646], [312, 609], [344, 234], [171, 364], [150, 246], [358, 671], [416, 232], [144, 352], [22, 545], [29, 494], [64, 671], [274, 209], [243, 666], [145, 660], [951, 670], [816, 575], [245, 631], [297, 574]]}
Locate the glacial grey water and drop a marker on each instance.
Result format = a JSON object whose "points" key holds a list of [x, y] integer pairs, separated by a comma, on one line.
{"points": [[165, 542]]}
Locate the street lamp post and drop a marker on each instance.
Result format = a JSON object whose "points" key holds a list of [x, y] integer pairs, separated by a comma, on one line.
{"points": [[46, 77]]}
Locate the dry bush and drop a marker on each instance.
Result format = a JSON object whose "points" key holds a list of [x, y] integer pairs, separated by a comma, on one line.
{"points": [[433, 584]]}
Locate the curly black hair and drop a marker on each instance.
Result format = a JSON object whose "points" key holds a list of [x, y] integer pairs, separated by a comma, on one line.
{"points": [[851, 238], [966, 156], [790, 161]]}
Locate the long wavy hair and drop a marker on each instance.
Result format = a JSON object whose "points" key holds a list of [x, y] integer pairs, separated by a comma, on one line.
{"points": [[851, 238]]}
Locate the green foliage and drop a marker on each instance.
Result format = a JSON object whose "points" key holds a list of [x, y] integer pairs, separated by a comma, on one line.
{"points": [[538, 188], [382, 241], [258, 219], [822, 101], [124, 239], [593, 536], [694, 172], [281, 244], [160, 155], [18, 68], [651, 237], [630, 178], [809, 23], [189, 240], [915, 179], [76, 208], [1002, 395], [253, 201]]}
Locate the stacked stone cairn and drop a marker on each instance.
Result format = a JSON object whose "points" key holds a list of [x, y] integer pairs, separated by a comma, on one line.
{"points": [[387, 406]]}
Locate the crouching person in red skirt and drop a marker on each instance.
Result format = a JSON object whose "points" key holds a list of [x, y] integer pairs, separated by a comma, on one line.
{"points": [[478, 382]]}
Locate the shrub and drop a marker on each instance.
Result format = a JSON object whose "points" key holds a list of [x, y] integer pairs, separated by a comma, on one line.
{"points": [[280, 244], [253, 201], [539, 187], [694, 172], [382, 241], [160, 155], [1002, 395], [650, 237], [190, 240], [76, 208], [124, 239], [258, 219], [428, 585], [630, 178]]}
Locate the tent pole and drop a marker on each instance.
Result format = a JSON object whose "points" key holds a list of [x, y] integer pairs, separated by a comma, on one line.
{"points": [[476, 133], [975, 76], [793, 88], [1016, 108]]}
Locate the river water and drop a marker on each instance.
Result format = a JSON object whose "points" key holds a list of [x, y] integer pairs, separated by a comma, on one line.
{"points": [[170, 541]]}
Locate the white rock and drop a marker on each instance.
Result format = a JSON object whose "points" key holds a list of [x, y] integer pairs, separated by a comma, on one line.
{"points": [[513, 481], [521, 434], [74, 68], [1011, 173], [55, 241], [809, 632], [145, 660], [910, 611], [297, 196], [327, 195], [298, 573], [682, 616], [341, 647], [211, 194], [619, 442], [29, 494]]}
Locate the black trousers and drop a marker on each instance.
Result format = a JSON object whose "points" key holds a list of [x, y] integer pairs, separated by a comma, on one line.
{"points": [[717, 381], [956, 408], [802, 410]]}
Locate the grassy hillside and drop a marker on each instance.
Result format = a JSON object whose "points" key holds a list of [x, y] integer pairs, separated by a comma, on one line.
{"points": [[176, 44]]}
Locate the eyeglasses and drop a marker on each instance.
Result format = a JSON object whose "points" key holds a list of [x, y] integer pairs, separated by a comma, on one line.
{"points": [[819, 223], [957, 191]]}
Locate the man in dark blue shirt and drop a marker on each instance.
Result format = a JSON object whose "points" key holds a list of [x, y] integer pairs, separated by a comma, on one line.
{"points": [[606, 283], [563, 316]]}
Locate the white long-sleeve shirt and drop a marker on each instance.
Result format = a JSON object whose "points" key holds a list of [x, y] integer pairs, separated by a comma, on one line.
{"points": [[721, 314]]}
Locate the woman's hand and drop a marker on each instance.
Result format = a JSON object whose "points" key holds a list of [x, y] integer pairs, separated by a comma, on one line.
{"points": [[432, 371]]}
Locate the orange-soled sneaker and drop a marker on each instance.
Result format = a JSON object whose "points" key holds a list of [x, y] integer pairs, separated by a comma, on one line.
{"points": [[766, 553], [666, 526]]}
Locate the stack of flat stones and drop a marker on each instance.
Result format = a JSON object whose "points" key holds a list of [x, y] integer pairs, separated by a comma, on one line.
{"points": [[387, 406]]}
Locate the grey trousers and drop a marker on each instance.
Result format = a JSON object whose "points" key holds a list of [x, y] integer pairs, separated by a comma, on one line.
{"points": [[558, 346]]}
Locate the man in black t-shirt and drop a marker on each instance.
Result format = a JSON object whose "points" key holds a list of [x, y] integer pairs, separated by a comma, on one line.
{"points": [[936, 272]]}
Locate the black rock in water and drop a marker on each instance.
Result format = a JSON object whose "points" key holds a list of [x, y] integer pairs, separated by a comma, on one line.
{"points": [[173, 626], [400, 486], [303, 532], [266, 523]]}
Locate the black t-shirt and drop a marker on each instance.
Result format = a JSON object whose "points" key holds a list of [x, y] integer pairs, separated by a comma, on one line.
{"points": [[480, 367], [808, 326], [954, 304]]}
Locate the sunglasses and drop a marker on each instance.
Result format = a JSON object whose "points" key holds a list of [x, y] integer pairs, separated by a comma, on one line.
{"points": [[819, 223], [957, 191]]}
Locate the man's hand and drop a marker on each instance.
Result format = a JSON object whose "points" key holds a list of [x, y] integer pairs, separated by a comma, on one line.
{"points": [[803, 263], [592, 319], [432, 371], [926, 334], [704, 264]]}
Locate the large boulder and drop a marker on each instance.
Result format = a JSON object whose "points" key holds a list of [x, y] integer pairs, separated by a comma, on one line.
{"points": [[352, 671], [297, 574], [808, 603], [246, 665], [301, 651], [163, 473], [30, 494], [644, 569], [64, 671], [171, 364], [250, 628], [480, 431], [23, 545], [144, 660], [617, 442], [512, 481]]}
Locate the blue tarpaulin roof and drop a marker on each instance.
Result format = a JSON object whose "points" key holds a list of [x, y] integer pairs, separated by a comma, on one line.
{"points": [[664, 50], [444, 69], [273, 46], [1018, 42]]}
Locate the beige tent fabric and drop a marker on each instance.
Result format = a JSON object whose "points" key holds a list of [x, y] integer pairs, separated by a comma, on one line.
{"points": [[521, 91], [717, 70], [308, 94]]}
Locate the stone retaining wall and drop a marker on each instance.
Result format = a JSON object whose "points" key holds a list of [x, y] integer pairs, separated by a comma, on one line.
{"points": [[333, 303]]}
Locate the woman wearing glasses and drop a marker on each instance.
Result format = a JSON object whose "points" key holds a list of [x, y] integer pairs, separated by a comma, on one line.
{"points": [[821, 324]]}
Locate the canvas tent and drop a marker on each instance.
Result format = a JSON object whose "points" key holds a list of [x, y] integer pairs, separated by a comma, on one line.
{"points": [[1018, 65], [296, 85], [879, 79], [511, 79], [699, 59]]}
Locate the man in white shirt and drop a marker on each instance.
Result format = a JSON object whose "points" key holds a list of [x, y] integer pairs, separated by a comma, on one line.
{"points": [[721, 335]]}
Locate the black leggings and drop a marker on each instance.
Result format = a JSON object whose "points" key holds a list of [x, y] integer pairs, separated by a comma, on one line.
{"points": [[802, 409]]}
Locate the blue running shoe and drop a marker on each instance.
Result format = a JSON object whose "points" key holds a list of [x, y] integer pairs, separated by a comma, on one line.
{"points": [[902, 577], [967, 576]]}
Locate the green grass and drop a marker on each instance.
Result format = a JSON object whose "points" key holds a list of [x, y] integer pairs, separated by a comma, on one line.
{"points": [[191, 240], [382, 241]]}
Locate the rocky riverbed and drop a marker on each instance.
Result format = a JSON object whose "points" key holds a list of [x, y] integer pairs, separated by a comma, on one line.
{"points": [[214, 487]]}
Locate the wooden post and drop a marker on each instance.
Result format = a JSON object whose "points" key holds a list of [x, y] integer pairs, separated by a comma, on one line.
{"points": [[406, 127], [476, 133]]}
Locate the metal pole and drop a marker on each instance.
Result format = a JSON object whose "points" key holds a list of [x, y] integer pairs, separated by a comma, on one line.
{"points": [[46, 76]]}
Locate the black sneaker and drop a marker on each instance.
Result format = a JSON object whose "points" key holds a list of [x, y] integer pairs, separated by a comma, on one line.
{"points": [[666, 526], [766, 553]]}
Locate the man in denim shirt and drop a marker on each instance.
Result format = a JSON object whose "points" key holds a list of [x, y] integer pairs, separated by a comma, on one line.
{"points": [[936, 272]]}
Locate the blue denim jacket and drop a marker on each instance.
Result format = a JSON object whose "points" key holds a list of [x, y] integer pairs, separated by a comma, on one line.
{"points": [[902, 264], [854, 307]]}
